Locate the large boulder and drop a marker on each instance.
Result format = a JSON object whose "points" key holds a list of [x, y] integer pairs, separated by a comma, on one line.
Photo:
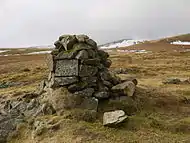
{"points": [[62, 99], [127, 88], [114, 118]]}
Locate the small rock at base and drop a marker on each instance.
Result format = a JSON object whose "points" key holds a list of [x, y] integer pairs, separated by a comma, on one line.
{"points": [[114, 117], [127, 88]]}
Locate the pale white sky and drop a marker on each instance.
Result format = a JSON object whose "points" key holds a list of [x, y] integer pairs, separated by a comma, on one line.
{"points": [[40, 22]]}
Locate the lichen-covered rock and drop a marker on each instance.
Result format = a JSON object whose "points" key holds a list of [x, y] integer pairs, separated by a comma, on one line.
{"points": [[114, 118], [63, 81], [68, 41], [92, 62], [127, 88], [102, 95], [82, 38], [88, 92], [66, 55], [103, 55], [81, 46], [91, 43], [83, 54], [77, 86], [172, 81], [86, 71]]}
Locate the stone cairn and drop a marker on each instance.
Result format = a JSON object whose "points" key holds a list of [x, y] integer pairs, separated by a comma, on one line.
{"points": [[77, 64]]}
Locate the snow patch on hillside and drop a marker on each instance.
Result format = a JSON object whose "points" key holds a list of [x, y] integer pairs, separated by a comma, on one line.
{"points": [[122, 43], [180, 43], [2, 51]]}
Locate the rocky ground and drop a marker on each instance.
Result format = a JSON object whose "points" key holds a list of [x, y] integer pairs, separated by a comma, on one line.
{"points": [[159, 111]]}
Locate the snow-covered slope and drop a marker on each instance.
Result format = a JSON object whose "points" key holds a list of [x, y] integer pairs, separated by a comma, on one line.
{"points": [[121, 43], [180, 43]]}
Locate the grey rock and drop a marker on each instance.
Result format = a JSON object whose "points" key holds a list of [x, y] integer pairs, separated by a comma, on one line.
{"points": [[91, 43], [67, 68], [41, 87], [108, 84], [81, 46], [172, 81], [62, 99], [105, 75], [50, 63], [107, 63], [68, 41], [91, 81], [92, 53], [89, 103], [82, 38], [102, 95], [114, 118], [63, 81], [86, 71], [103, 55], [77, 86], [66, 55], [83, 54], [93, 62], [85, 93], [127, 88]]}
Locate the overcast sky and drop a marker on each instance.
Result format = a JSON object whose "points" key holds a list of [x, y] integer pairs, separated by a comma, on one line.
{"points": [[40, 22]]}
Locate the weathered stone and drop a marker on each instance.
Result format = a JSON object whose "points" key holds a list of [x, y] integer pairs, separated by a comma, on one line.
{"points": [[172, 81], [50, 62], [83, 54], [92, 53], [105, 75], [67, 68], [81, 46], [91, 43], [103, 55], [57, 44], [62, 81], [68, 41], [107, 63], [41, 87], [126, 88], [82, 38], [102, 95], [93, 62], [66, 55], [61, 100], [86, 71], [89, 103], [85, 93], [77, 86], [90, 80], [107, 84], [114, 118]]}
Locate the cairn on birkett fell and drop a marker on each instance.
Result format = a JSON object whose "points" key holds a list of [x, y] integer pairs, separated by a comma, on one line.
{"points": [[79, 76]]}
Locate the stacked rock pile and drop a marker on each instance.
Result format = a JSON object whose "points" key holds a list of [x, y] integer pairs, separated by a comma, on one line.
{"points": [[77, 64]]}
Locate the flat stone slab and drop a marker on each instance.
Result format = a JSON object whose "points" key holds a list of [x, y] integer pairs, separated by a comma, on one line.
{"points": [[67, 68], [114, 117]]}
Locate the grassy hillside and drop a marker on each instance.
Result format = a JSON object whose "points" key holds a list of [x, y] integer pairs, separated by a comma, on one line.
{"points": [[162, 111]]}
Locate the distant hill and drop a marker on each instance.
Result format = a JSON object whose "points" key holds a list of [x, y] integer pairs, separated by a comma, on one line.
{"points": [[182, 38]]}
